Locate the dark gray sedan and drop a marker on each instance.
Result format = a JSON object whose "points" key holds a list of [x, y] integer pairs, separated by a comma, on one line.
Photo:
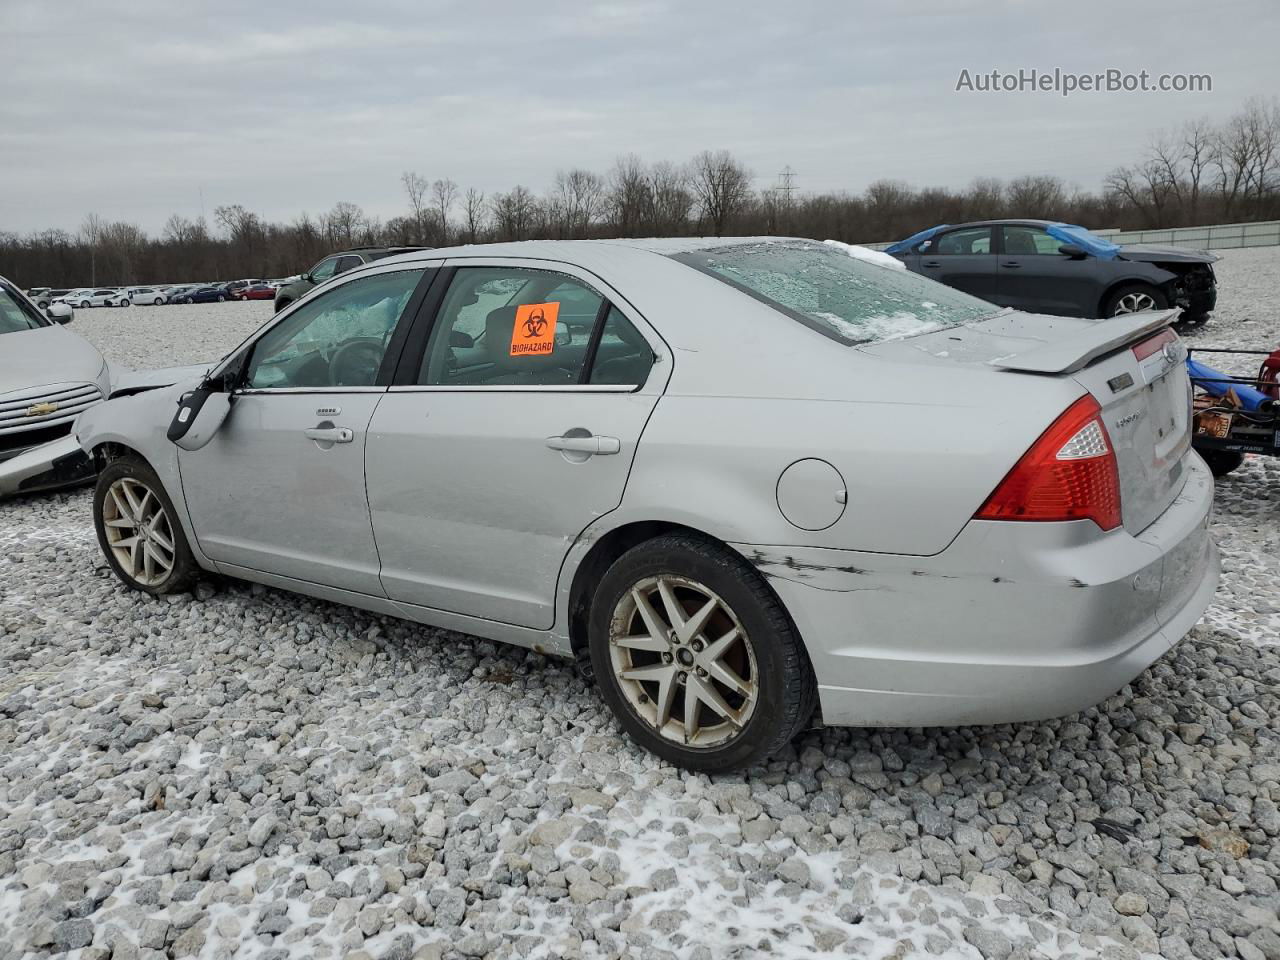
{"points": [[1045, 267]]}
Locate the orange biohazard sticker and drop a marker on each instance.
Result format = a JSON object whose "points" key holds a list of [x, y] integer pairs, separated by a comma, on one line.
{"points": [[534, 333]]}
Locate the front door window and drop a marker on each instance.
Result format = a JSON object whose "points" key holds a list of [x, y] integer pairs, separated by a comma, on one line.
{"points": [[338, 339]]}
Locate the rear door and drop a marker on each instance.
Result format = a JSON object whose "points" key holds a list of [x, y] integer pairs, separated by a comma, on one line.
{"points": [[1033, 276], [511, 427], [280, 488], [964, 259]]}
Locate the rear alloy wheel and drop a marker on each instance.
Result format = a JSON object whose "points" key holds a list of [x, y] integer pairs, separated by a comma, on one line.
{"points": [[84, 304], [696, 657], [138, 530], [222, 298], [1134, 298], [124, 303], [157, 301]]}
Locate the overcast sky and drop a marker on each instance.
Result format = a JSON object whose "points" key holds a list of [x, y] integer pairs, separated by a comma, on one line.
{"points": [[142, 109]]}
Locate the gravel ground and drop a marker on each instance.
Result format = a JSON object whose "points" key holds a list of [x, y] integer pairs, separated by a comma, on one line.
{"points": [[258, 774]]}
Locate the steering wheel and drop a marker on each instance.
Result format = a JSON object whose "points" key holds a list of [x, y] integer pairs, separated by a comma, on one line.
{"points": [[356, 363]]}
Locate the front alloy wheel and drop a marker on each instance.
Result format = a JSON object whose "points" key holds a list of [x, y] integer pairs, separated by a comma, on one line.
{"points": [[138, 531], [683, 661]]}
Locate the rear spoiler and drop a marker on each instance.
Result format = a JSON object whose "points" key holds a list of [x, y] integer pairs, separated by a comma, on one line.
{"points": [[1077, 350]]}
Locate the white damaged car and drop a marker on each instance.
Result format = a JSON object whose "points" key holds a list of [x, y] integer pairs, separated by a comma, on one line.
{"points": [[48, 377]]}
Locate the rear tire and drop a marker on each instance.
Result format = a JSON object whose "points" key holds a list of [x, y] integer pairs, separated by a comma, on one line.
{"points": [[139, 531], [1134, 298], [1221, 462], [222, 298], [727, 686]]}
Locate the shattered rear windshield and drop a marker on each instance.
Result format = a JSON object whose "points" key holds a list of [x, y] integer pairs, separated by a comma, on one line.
{"points": [[844, 298]]}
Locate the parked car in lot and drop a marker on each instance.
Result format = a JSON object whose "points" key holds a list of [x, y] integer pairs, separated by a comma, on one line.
{"points": [[331, 266], [858, 490], [48, 295], [48, 376], [205, 294], [1047, 267], [256, 291], [175, 293], [95, 297], [149, 296]]}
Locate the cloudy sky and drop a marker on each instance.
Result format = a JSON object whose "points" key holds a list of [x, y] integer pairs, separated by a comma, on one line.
{"points": [[136, 110]]}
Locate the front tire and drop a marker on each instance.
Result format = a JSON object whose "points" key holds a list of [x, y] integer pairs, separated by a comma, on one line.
{"points": [[696, 657], [1134, 298], [222, 298], [138, 529]]}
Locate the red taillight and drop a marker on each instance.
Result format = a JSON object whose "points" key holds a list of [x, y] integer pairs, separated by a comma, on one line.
{"points": [[1068, 474]]}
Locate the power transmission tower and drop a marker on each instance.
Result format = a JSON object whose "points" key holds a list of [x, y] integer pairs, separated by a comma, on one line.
{"points": [[784, 193]]}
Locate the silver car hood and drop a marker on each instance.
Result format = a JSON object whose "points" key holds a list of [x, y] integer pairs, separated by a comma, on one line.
{"points": [[32, 358]]}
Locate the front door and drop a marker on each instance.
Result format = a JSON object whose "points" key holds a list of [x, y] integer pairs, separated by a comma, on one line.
{"points": [[512, 435], [280, 488]]}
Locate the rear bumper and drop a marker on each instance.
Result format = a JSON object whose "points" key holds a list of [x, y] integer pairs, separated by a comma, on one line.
{"points": [[58, 464], [1012, 622]]}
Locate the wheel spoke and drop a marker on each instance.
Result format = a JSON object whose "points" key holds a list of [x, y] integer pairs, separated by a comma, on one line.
{"points": [[135, 505], [718, 670], [642, 641], [161, 539], [711, 697], [652, 622], [667, 688], [692, 710], [148, 562], [656, 672], [122, 507], [695, 624], [675, 614], [127, 543], [123, 521], [717, 648]]}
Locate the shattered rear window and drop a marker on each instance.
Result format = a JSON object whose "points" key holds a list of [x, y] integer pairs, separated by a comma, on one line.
{"points": [[839, 296]]}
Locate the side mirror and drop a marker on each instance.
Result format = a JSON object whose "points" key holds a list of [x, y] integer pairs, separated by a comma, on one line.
{"points": [[458, 338], [200, 414], [1074, 251], [59, 312]]}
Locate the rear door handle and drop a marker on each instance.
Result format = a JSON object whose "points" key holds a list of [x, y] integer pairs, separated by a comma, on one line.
{"points": [[329, 434], [604, 446], [930, 263], [1012, 265]]}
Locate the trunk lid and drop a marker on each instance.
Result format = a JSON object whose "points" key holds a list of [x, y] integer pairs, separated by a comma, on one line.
{"points": [[1145, 400]]}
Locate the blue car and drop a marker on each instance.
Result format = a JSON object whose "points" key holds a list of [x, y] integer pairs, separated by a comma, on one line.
{"points": [[216, 293]]}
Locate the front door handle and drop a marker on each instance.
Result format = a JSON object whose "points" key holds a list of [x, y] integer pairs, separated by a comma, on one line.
{"points": [[1012, 264], [930, 263], [603, 446], [329, 434]]}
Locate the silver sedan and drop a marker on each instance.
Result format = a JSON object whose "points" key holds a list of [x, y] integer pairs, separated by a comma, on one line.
{"points": [[746, 483]]}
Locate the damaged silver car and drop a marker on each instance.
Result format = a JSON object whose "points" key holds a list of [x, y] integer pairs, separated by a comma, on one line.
{"points": [[745, 482]]}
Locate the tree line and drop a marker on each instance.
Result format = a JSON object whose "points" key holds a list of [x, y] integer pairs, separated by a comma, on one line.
{"points": [[1199, 173]]}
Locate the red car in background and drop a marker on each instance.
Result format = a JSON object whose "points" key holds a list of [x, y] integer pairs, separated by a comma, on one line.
{"points": [[255, 291]]}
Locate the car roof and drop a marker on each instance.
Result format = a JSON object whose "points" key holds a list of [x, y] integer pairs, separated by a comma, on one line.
{"points": [[1020, 222]]}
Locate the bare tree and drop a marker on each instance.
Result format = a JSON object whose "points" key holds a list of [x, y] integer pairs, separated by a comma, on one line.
{"points": [[474, 213], [576, 200], [721, 185], [669, 200], [629, 195], [344, 223], [415, 186], [443, 193]]}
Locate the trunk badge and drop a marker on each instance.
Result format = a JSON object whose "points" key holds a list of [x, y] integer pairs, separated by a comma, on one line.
{"points": [[1122, 382]]}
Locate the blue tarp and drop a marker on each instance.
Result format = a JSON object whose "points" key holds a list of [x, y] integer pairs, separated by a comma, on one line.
{"points": [[1092, 244], [1250, 397], [904, 246]]}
